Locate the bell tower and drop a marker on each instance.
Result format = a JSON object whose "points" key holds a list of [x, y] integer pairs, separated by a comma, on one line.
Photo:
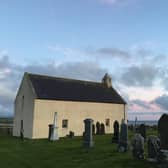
{"points": [[106, 81]]}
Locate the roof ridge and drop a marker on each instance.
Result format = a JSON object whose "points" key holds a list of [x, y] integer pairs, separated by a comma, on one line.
{"points": [[65, 79]]}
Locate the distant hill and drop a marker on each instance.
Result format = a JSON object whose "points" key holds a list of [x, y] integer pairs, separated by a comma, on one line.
{"points": [[6, 115]]}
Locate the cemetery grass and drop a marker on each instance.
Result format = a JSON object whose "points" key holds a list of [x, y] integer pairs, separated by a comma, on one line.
{"points": [[15, 153]]}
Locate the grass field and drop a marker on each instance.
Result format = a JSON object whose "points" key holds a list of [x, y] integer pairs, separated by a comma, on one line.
{"points": [[65, 153]]}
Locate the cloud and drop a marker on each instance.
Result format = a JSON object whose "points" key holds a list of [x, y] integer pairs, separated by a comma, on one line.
{"points": [[134, 55], [141, 103], [11, 74], [143, 75], [112, 53], [162, 101], [79, 70], [117, 2], [111, 2], [134, 79]]}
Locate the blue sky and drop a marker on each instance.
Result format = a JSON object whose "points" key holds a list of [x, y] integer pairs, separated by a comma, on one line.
{"points": [[84, 39]]}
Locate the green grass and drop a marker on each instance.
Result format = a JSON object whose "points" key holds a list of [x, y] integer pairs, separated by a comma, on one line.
{"points": [[67, 153]]}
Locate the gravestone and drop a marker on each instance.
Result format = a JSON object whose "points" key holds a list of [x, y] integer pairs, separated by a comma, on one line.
{"points": [[123, 140], [115, 138], [98, 128], [142, 130], [71, 134], [53, 129], [93, 129], [153, 148], [163, 131], [102, 129], [88, 137], [50, 131], [21, 131], [138, 146]]}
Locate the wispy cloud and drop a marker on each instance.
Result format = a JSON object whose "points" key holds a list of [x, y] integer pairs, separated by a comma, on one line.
{"points": [[117, 2], [162, 101]]}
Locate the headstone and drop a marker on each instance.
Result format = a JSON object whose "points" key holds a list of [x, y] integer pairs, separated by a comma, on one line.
{"points": [[135, 125], [153, 148], [88, 137], [138, 146], [71, 134], [53, 129], [163, 158], [115, 138], [123, 140], [21, 131], [93, 129], [163, 131], [102, 129], [50, 131], [142, 130], [98, 128]]}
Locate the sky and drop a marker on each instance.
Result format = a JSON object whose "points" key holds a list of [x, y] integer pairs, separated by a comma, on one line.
{"points": [[84, 39]]}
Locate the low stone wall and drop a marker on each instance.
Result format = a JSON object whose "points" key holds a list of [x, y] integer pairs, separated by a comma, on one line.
{"points": [[6, 130]]}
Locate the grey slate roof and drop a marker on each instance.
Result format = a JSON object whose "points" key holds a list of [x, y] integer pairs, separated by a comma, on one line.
{"points": [[53, 88]]}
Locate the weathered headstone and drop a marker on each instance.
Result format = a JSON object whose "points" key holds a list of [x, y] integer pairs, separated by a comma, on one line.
{"points": [[50, 131], [163, 131], [102, 129], [21, 130], [98, 128], [115, 138], [153, 148], [88, 137], [135, 125], [138, 146], [93, 129], [142, 130], [71, 134], [123, 140], [53, 129]]}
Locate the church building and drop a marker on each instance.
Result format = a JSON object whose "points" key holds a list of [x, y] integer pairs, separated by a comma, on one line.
{"points": [[40, 96]]}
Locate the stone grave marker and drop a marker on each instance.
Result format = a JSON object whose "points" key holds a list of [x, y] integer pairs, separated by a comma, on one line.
{"points": [[163, 134], [53, 129], [88, 137], [102, 129], [123, 140], [153, 148], [21, 130], [71, 134], [163, 131], [98, 128], [115, 138], [142, 130], [93, 129], [138, 146]]}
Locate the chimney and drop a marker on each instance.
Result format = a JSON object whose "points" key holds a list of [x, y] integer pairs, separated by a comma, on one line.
{"points": [[106, 81]]}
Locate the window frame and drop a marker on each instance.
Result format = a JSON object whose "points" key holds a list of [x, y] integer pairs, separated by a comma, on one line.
{"points": [[65, 123]]}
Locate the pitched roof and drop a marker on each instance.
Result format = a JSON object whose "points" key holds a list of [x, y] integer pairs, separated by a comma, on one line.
{"points": [[53, 88]]}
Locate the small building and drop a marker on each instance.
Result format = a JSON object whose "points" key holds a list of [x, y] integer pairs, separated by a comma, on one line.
{"points": [[40, 96]]}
